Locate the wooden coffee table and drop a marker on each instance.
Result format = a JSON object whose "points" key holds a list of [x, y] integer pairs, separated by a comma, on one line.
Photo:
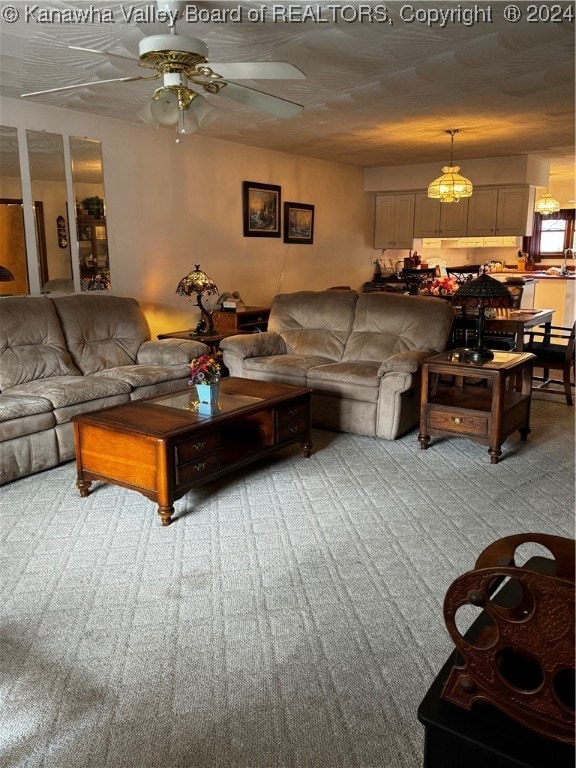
{"points": [[162, 447]]}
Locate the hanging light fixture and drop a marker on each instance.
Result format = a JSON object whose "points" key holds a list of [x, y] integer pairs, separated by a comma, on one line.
{"points": [[546, 204], [451, 186]]}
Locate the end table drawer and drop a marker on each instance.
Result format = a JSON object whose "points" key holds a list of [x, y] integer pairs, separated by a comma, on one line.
{"points": [[199, 446], [195, 470], [292, 413], [292, 429], [464, 424]]}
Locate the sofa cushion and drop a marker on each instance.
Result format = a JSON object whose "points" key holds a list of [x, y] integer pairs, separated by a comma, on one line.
{"points": [[387, 323], [314, 322], [32, 344], [144, 375], [296, 366], [357, 380], [23, 416], [102, 331], [64, 391]]}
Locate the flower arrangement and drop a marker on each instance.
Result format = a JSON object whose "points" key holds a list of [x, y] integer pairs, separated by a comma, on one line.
{"points": [[442, 286], [204, 370]]}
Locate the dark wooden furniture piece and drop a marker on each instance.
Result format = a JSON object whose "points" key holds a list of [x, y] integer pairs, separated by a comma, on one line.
{"points": [[249, 320], [513, 322], [163, 447], [487, 415], [246, 320], [505, 697], [553, 349]]}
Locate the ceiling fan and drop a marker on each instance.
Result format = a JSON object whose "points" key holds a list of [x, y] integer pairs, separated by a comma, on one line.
{"points": [[181, 62]]}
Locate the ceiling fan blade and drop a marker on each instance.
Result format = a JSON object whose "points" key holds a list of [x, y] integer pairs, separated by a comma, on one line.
{"points": [[85, 85], [103, 53], [259, 70], [264, 102]]}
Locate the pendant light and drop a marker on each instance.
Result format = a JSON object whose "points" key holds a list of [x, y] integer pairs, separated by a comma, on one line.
{"points": [[451, 186], [546, 204]]}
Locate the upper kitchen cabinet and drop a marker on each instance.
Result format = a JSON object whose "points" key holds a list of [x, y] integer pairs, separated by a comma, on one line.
{"points": [[435, 219], [500, 211], [394, 221]]}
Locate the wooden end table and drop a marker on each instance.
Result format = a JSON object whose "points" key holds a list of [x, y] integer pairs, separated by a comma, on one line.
{"points": [[164, 446], [488, 413]]}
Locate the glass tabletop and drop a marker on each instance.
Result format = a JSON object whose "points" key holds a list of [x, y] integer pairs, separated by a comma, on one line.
{"points": [[188, 401]]}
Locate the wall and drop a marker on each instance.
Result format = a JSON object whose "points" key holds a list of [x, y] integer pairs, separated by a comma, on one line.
{"points": [[519, 169], [171, 206]]}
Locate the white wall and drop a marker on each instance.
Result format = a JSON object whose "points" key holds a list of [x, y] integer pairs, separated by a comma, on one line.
{"points": [[171, 206]]}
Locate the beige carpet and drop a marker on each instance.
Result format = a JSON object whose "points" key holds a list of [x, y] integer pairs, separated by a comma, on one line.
{"points": [[291, 617]]}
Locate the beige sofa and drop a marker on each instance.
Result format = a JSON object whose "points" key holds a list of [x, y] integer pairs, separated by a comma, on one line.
{"points": [[67, 355], [360, 354]]}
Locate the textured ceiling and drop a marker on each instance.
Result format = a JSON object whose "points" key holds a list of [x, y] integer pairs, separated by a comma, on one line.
{"points": [[375, 93]]}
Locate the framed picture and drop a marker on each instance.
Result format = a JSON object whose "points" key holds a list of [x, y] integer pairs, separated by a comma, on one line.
{"points": [[298, 223], [261, 209]]}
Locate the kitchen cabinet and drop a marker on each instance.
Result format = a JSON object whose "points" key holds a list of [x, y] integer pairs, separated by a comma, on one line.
{"points": [[500, 211], [394, 221], [435, 219]]}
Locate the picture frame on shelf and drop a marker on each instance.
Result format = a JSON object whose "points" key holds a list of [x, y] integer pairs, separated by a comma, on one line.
{"points": [[298, 223], [261, 209]]}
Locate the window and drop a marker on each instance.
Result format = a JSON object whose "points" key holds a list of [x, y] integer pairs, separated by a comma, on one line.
{"points": [[552, 234]]}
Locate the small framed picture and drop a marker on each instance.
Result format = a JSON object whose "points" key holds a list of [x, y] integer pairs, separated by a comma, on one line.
{"points": [[261, 209], [298, 223]]}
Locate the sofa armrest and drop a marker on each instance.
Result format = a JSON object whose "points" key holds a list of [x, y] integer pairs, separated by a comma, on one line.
{"points": [[405, 362], [254, 345], [170, 352]]}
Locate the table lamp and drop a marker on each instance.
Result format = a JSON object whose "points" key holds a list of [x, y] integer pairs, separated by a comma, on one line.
{"points": [[198, 284], [480, 293]]}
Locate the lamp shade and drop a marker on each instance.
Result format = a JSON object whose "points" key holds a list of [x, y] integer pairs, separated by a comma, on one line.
{"points": [[546, 205], [484, 291], [451, 186], [196, 283]]}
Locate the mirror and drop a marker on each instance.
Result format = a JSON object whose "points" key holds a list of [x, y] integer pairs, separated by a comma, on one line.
{"points": [[48, 186], [90, 206], [14, 277]]}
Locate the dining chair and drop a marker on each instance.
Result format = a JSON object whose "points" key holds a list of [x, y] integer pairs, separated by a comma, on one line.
{"points": [[554, 352], [463, 274], [414, 278], [502, 341]]}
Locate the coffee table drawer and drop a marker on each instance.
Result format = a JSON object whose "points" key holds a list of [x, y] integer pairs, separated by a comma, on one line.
{"points": [[465, 424], [195, 470], [289, 431], [292, 412], [200, 445]]}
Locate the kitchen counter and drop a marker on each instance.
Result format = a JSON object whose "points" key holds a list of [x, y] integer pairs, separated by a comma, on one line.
{"points": [[535, 274]]}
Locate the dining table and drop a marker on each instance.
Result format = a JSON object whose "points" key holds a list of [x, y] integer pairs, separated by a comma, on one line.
{"points": [[515, 322]]}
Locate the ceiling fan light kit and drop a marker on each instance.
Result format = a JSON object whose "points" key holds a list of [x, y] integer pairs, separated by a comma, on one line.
{"points": [[182, 61], [451, 186]]}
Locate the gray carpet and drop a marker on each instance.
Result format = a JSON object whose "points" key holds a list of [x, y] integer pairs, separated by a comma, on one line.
{"points": [[291, 617]]}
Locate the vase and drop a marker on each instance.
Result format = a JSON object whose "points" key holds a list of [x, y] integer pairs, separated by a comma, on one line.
{"points": [[208, 398]]}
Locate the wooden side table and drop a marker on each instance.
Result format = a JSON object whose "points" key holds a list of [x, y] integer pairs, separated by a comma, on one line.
{"points": [[486, 414]]}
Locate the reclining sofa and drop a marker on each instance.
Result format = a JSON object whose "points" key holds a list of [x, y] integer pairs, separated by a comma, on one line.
{"points": [[68, 355], [361, 355]]}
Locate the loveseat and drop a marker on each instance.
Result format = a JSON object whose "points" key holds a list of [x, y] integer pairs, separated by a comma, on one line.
{"points": [[361, 355], [71, 354]]}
